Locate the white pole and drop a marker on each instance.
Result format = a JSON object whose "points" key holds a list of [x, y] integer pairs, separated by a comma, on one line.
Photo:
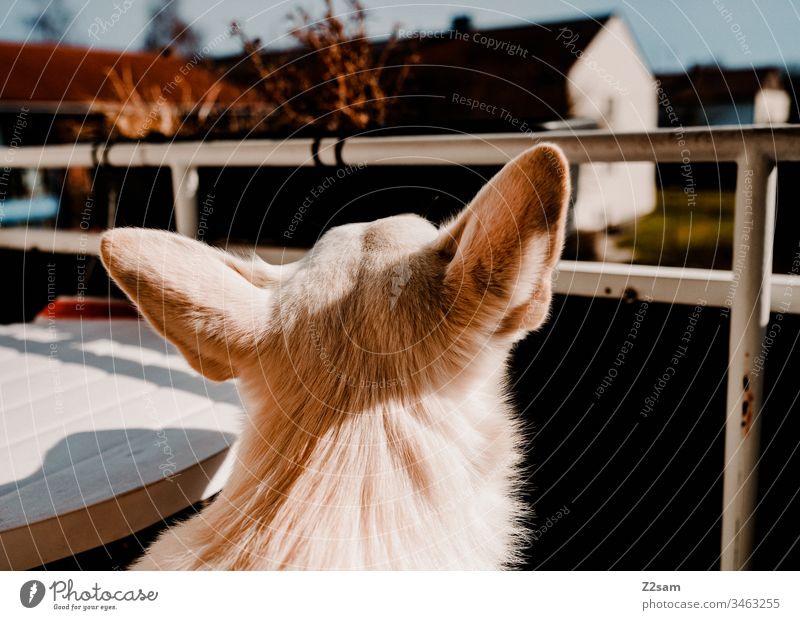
{"points": [[749, 304], [185, 181]]}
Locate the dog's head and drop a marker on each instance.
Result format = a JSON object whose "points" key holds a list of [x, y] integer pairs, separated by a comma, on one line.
{"points": [[383, 304]]}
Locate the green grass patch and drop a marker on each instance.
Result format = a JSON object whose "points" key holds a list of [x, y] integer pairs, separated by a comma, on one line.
{"points": [[679, 233]]}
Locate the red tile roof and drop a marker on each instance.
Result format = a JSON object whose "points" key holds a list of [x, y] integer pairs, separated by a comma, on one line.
{"points": [[50, 75]]}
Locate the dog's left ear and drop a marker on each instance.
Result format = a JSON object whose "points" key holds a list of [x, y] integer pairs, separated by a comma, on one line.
{"points": [[211, 305], [503, 247]]}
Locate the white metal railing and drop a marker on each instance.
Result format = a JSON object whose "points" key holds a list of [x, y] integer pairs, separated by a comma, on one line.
{"points": [[747, 290]]}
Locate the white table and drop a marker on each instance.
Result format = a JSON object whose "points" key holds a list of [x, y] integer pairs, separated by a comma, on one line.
{"points": [[104, 430]]}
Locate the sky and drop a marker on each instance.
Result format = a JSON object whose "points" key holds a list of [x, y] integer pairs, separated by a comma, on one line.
{"points": [[674, 35]]}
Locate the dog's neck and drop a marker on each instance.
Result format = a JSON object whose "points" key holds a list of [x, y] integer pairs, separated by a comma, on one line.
{"points": [[358, 489]]}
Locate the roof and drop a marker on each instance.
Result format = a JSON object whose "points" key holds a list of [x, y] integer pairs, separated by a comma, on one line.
{"points": [[69, 77], [521, 70], [708, 85]]}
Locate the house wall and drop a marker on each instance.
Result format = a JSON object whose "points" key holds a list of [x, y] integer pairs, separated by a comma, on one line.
{"points": [[611, 85], [772, 105]]}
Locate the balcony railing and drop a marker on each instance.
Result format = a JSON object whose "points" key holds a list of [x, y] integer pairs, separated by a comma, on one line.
{"points": [[748, 292]]}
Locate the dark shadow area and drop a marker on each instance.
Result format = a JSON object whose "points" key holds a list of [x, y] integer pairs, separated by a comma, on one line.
{"points": [[120, 554], [625, 476]]}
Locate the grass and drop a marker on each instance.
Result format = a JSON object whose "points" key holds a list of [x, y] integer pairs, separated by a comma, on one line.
{"points": [[677, 233]]}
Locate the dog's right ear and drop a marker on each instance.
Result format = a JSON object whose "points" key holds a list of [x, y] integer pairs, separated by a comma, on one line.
{"points": [[503, 246], [211, 305]]}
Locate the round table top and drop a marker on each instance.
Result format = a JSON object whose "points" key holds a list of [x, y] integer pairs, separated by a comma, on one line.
{"points": [[104, 430]]}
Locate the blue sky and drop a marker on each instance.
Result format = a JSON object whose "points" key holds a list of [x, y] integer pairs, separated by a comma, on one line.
{"points": [[674, 34]]}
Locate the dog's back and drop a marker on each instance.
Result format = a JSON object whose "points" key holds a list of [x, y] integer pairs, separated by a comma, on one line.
{"points": [[378, 434]]}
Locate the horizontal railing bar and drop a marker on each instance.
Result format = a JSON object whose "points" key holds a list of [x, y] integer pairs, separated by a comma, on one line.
{"points": [[50, 241], [585, 279], [583, 146], [665, 284], [776, 142], [659, 284]]}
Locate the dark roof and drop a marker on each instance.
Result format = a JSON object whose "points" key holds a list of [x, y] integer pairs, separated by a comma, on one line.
{"points": [[709, 85], [48, 75], [525, 75]]}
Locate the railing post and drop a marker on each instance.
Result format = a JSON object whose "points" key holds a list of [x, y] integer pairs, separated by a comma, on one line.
{"points": [[749, 304], [185, 181]]}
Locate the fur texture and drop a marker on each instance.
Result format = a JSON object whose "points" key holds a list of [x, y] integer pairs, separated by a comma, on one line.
{"points": [[378, 433]]}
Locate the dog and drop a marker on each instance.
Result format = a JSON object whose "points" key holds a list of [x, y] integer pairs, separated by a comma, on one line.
{"points": [[379, 433]]}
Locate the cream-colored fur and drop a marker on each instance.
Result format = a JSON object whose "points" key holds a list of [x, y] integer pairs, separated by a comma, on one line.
{"points": [[379, 435]]}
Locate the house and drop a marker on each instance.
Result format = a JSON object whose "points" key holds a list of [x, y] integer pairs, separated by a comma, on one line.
{"points": [[713, 95]]}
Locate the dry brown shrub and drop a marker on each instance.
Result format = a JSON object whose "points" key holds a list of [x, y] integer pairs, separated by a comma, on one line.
{"points": [[338, 82]]}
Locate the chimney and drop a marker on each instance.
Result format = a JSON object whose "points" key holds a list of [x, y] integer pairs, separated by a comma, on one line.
{"points": [[461, 24]]}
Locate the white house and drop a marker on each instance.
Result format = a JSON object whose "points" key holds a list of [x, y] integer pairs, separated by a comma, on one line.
{"points": [[611, 85]]}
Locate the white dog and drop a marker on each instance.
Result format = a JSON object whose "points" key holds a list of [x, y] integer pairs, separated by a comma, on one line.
{"points": [[379, 434]]}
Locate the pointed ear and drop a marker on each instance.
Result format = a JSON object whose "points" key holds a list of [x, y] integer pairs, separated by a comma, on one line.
{"points": [[503, 246], [209, 304]]}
